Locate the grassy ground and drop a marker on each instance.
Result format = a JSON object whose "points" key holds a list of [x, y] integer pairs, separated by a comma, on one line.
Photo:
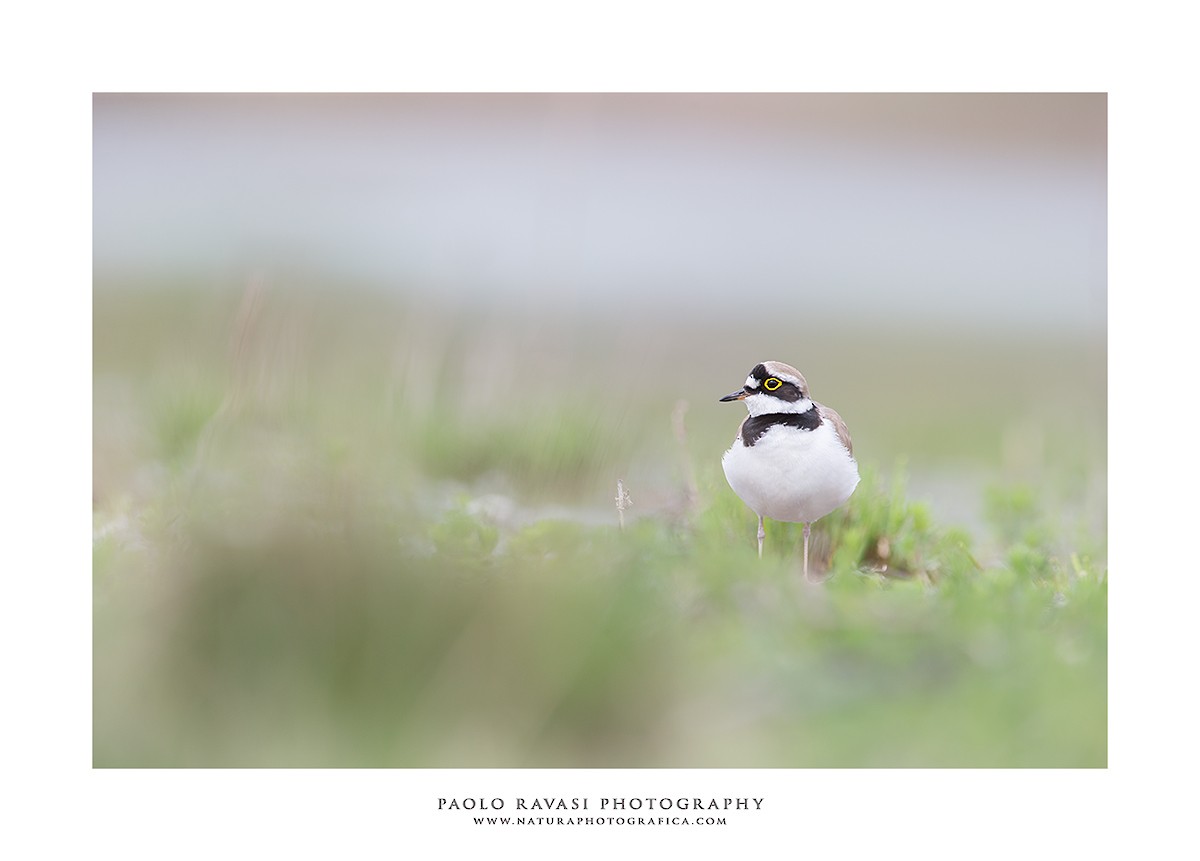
{"points": [[341, 530]]}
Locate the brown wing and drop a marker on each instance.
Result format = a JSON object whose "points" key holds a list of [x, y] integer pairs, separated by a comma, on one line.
{"points": [[831, 416]]}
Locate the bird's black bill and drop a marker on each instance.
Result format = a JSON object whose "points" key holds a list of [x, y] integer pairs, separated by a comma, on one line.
{"points": [[740, 394]]}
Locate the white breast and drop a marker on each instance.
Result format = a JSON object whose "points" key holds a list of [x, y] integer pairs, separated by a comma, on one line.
{"points": [[792, 475]]}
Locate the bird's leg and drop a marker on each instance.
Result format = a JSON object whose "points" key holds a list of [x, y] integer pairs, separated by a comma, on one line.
{"points": [[806, 528], [761, 535]]}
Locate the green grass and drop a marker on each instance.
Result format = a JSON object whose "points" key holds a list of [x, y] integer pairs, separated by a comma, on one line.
{"points": [[339, 534]]}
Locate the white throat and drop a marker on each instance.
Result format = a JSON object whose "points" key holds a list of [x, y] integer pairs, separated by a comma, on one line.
{"points": [[762, 404]]}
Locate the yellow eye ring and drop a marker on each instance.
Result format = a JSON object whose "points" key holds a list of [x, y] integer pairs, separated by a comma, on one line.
{"points": [[772, 384]]}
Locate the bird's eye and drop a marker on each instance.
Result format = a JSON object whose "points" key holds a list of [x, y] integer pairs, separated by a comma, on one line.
{"points": [[771, 384]]}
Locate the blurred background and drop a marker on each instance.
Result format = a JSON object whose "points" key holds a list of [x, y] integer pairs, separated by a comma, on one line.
{"points": [[367, 369]]}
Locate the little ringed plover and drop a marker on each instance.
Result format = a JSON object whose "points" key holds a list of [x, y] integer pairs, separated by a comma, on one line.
{"points": [[792, 459]]}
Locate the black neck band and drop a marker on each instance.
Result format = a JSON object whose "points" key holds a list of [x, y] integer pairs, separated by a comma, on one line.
{"points": [[755, 426]]}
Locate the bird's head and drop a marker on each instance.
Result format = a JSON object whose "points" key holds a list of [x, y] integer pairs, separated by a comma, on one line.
{"points": [[773, 387]]}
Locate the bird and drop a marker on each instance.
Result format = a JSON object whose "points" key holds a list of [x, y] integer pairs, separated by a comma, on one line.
{"points": [[792, 459]]}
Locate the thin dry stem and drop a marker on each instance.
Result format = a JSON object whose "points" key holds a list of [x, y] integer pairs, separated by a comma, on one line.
{"points": [[690, 487], [624, 501]]}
